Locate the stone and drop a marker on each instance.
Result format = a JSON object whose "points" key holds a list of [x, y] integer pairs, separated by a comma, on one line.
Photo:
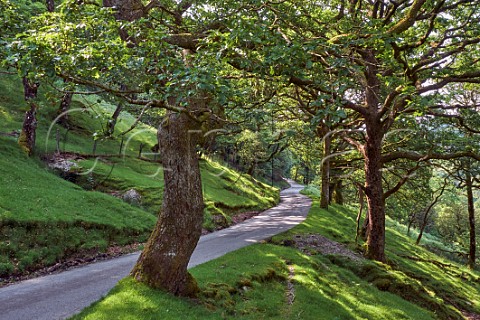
{"points": [[132, 196]]}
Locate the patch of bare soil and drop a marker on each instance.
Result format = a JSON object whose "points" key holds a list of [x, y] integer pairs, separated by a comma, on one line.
{"points": [[471, 316], [314, 244]]}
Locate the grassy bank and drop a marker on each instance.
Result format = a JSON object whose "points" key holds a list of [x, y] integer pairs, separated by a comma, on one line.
{"points": [[283, 280], [45, 219]]}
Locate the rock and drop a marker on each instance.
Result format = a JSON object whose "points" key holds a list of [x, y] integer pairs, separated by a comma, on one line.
{"points": [[219, 220], [62, 165], [132, 196]]}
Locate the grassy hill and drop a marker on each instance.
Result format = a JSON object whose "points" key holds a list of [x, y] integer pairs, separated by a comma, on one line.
{"points": [[293, 276], [45, 219]]}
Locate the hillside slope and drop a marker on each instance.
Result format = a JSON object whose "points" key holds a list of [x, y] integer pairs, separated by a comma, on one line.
{"points": [[313, 271], [45, 219]]}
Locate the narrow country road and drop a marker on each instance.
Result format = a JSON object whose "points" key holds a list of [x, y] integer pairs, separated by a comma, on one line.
{"points": [[59, 296]]}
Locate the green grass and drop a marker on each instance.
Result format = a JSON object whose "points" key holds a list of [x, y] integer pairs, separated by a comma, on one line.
{"points": [[44, 218], [251, 283], [225, 191], [311, 191]]}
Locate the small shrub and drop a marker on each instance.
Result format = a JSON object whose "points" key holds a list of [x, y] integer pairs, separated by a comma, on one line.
{"points": [[6, 268], [311, 191]]}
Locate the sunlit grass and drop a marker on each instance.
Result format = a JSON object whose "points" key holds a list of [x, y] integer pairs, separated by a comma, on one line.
{"points": [[251, 283]]}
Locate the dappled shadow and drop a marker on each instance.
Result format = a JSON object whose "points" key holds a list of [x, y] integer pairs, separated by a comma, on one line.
{"points": [[322, 289]]}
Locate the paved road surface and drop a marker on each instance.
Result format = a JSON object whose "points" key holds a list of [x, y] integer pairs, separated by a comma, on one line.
{"points": [[61, 295]]}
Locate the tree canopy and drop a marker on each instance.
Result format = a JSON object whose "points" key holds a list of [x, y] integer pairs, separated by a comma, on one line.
{"points": [[383, 78]]}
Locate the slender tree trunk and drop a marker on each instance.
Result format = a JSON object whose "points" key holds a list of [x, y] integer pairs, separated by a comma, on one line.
{"points": [[113, 120], [338, 192], [27, 137], [64, 106], [427, 211], [325, 193], [360, 210], [364, 230], [411, 220], [331, 192], [471, 222], [422, 227], [374, 193], [50, 5], [163, 262]]}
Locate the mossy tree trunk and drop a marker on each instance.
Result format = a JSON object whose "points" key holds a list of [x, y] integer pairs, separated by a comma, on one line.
{"points": [[325, 193], [374, 195], [50, 5], [338, 192], [29, 127], [471, 221], [64, 107], [163, 262]]}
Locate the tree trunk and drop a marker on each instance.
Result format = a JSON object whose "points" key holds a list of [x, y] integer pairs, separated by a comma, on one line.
{"points": [[27, 137], [63, 109], [374, 193], [50, 5], [338, 192], [113, 120], [359, 215], [411, 220], [163, 262], [427, 211], [325, 193], [306, 180], [422, 228], [471, 222]]}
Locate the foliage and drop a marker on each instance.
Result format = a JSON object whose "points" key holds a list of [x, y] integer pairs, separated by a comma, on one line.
{"points": [[56, 219], [311, 191]]}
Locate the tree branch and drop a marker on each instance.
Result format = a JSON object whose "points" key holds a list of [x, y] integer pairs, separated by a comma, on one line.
{"points": [[414, 156], [401, 182], [410, 18]]}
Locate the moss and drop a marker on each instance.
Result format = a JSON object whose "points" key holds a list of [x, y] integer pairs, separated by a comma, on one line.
{"points": [[23, 143], [382, 284], [191, 290]]}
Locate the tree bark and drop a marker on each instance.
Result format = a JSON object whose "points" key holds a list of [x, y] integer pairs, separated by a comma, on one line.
{"points": [[427, 211], [27, 137], [64, 106], [411, 220], [374, 192], [325, 193], [306, 179], [50, 5], [163, 262], [422, 227], [360, 210], [113, 120], [471, 222], [338, 192]]}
